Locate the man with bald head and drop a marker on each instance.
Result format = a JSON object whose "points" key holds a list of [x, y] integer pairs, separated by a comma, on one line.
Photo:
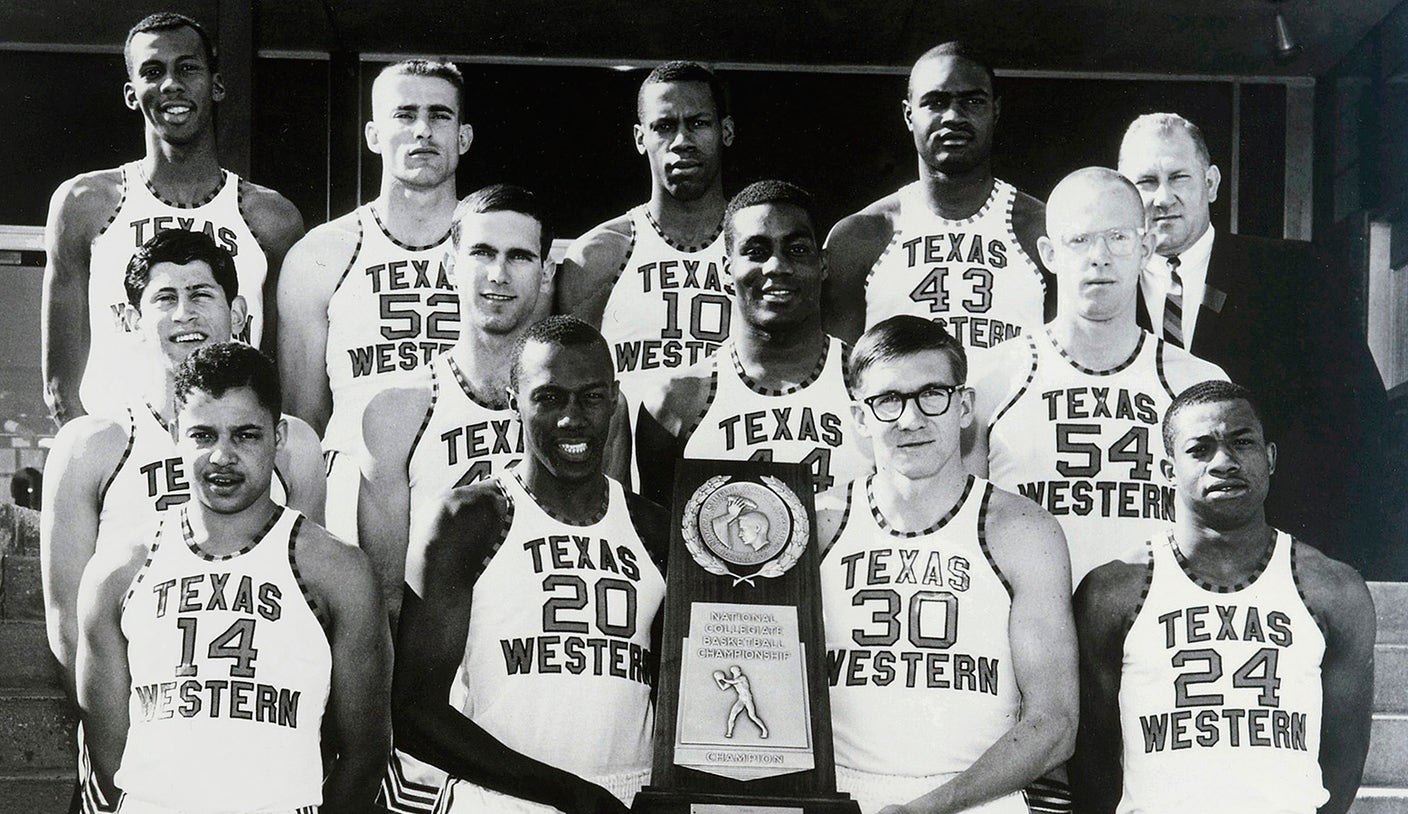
{"points": [[958, 245], [1279, 322], [1069, 414]]}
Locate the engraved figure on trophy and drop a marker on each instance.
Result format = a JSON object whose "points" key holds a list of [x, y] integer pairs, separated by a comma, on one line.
{"points": [[740, 685]]}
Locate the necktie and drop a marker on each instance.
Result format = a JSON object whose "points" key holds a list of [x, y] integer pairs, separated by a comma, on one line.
{"points": [[1173, 306]]}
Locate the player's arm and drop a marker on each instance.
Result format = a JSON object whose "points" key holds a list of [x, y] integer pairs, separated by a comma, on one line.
{"points": [[616, 458], [389, 425], [277, 225], [589, 268], [301, 459], [104, 679], [995, 388], [1029, 225], [1340, 600], [358, 710], [855, 243], [309, 276], [1105, 604], [1030, 551], [665, 415], [76, 212], [84, 456], [435, 613]]}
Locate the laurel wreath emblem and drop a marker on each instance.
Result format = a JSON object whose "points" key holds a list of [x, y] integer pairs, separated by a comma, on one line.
{"points": [[777, 566]]}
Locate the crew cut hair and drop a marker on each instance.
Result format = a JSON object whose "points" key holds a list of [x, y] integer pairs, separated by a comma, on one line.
{"points": [[900, 336], [222, 367], [562, 330], [170, 21], [504, 198], [769, 192], [1166, 124], [683, 71], [961, 50], [180, 246], [437, 68], [1212, 391]]}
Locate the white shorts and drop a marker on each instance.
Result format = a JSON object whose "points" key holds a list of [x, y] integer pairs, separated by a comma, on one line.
{"points": [[875, 791], [464, 797], [131, 806]]}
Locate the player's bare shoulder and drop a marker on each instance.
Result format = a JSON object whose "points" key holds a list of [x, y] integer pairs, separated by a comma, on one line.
{"points": [[1182, 369], [860, 238], [274, 220], [394, 416], [680, 399], [1109, 596], [1006, 368], [591, 265], [318, 260], [91, 443], [1334, 592], [85, 204], [1019, 531], [331, 568]]}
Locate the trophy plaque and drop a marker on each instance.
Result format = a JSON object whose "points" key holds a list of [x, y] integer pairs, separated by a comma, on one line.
{"points": [[743, 715]]}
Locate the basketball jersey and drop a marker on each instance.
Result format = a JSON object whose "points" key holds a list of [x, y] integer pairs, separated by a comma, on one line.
{"points": [[917, 640], [149, 478], [460, 441], [668, 308], [230, 668], [1086, 445], [394, 309], [809, 423], [113, 347], [558, 654], [1221, 689], [970, 275]]}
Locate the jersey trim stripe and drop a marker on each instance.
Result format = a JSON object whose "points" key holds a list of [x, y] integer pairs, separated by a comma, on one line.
{"points": [[983, 537], [1131, 359], [811, 378], [283, 481], [351, 261], [625, 260], [314, 605], [401, 794], [1047, 796], [504, 528], [141, 572], [1159, 366], [939, 524], [1300, 592], [1203, 583], [425, 420], [896, 233], [845, 517], [121, 462], [189, 537], [1021, 391], [650, 219], [122, 199], [147, 182], [688, 432], [387, 232]]}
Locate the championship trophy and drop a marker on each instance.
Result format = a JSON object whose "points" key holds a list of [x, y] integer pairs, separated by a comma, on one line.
{"points": [[743, 715]]}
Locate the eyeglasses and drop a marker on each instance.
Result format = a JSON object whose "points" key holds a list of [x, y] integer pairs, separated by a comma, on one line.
{"points": [[1121, 242], [933, 400]]}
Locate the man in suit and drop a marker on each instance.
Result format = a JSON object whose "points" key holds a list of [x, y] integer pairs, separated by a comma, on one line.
{"points": [[1274, 318]]}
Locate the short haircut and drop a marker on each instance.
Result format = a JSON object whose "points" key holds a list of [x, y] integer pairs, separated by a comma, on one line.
{"points": [[504, 198], [170, 21], [682, 71], [437, 68], [961, 50], [1213, 391], [1165, 125], [564, 331], [180, 246], [769, 192], [905, 335], [217, 369], [1090, 176]]}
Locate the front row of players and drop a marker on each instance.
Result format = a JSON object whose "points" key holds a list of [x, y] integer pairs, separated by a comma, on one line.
{"points": [[525, 659]]}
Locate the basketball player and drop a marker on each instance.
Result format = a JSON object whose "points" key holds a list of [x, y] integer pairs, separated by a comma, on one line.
{"points": [[212, 651], [367, 296], [99, 219], [110, 478], [946, 603], [1065, 413], [1233, 670], [958, 245], [526, 652], [777, 389], [652, 280], [744, 701]]}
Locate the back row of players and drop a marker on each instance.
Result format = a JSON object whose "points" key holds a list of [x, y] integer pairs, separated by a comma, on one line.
{"points": [[1063, 414]]}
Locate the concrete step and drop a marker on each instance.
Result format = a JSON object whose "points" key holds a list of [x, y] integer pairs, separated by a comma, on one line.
{"points": [[21, 591], [1391, 678], [36, 792], [1380, 800], [36, 731], [1391, 606], [1387, 764], [25, 660]]}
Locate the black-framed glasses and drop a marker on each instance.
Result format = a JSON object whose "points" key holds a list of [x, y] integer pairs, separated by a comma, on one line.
{"points": [[933, 400]]}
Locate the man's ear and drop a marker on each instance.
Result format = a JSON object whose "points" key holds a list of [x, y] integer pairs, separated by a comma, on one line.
{"points": [[280, 433], [996, 109], [907, 112], [217, 88], [466, 137], [239, 315], [1213, 178], [728, 132], [129, 96], [1271, 457], [373, 137], [1047, 250], [1166, 468], [638, 135]]}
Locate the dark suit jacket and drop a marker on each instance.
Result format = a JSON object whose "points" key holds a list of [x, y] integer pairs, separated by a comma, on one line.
{"points": [[1280, 322]]}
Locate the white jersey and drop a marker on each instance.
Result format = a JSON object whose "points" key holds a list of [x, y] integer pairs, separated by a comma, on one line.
{"points": [[917, 641], [1220, 693], [460, 441], [558, 653], [394, 309], [669, 308], [970, 275], [1086, 445], [149, 478], [230, 669], [112, 346], [810, 423]]}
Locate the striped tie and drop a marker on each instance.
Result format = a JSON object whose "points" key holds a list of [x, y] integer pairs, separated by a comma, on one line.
{"points": [[1173, 306]]}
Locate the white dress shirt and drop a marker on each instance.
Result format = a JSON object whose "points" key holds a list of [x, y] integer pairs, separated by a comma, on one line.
{"points": [[1193, 270]]}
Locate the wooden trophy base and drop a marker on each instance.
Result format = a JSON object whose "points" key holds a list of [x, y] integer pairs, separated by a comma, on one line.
{"points": [[654, 800]]}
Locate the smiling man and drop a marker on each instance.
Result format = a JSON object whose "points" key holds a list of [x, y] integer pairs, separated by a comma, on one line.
{"points": [[1235, 663], [98, 220], [367, 296], [777, 389], [526, 655], [958, 245], [1065, 415]]}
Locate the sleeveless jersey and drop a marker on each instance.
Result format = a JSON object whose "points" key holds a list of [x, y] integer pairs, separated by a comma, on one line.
{"points": [[394, 309], [148, 479], [971, 275], [230, 669], [461, 441], [669, 308], [1221, 689], [113, 347], [809, 424], [558, 651], [916, 639], [1086, 445]]}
